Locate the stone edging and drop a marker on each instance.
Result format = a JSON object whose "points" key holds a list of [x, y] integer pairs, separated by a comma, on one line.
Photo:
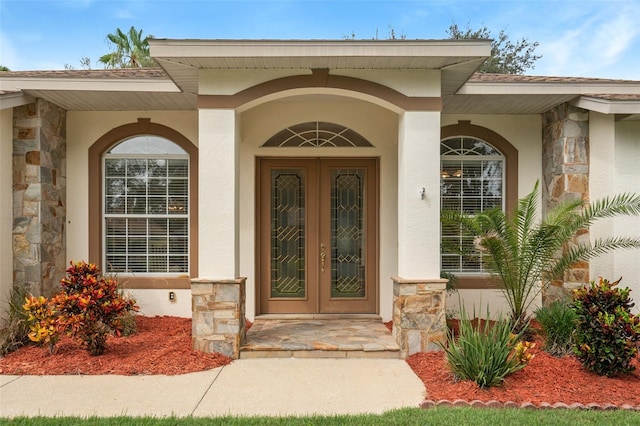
{"points": [[428, 403]]}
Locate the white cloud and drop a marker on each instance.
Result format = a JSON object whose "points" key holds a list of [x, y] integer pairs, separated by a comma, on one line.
{"points": [[615, 36], [594, 46], [8, 56]]}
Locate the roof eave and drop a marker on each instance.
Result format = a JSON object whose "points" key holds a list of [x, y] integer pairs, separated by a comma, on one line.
{"points": [[15, 99], [608, 106]]}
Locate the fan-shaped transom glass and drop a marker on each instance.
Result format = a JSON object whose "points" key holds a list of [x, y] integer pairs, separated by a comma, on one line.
{"points": [[317, 134], [147, 144]]}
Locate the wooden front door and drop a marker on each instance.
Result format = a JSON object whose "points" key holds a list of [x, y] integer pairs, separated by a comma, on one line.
{"points": [[318, 235]]}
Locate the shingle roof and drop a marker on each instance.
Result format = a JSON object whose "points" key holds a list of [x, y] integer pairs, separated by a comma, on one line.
{"points": [[516, 78], [615, 97], [161, 74], [145, 73]]}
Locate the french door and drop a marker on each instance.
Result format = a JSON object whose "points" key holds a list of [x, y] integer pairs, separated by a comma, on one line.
{"points": [[318, 234]]}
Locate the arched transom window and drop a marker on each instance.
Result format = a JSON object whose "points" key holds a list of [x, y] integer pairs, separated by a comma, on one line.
{"points": [[471, 181], [316, 134], [146, 207]]}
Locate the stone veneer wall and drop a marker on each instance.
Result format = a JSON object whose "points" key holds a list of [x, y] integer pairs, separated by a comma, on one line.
{"points": [[218, 321], [419, 320], [39, 196], [565, 165]]}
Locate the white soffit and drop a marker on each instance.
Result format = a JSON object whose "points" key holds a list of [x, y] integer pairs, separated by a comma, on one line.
{"points": [[100, 93], [182, 59], [515, 94]]}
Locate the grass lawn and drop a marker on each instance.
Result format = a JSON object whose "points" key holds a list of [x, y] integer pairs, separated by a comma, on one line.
{"points": [[408, 416]]}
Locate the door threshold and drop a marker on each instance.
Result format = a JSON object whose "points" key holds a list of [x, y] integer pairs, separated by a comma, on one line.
{"points": [[318, 316]]}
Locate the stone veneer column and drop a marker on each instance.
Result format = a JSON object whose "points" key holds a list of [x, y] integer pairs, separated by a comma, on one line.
{"points": [[565, 165], [419, 320], [39, 196], [218, 323]]}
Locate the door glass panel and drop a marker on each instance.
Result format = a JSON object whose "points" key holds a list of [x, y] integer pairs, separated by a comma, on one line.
{"points": [[287, 234], [347, 233]]}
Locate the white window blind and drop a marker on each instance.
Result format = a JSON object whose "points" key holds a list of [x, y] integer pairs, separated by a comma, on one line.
{"points": [[471, 181], [146, 207]]}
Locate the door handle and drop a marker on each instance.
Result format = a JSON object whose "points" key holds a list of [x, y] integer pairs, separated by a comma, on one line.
{"points": [[323, 257]]}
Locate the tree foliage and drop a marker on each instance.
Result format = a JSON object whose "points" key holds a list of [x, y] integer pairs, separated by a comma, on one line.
{"points": [[129, 50], [507, 57], [526, 254]]}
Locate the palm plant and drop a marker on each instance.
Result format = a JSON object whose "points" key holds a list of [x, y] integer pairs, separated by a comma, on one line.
{"points": [[131, 50], [526, 255]]}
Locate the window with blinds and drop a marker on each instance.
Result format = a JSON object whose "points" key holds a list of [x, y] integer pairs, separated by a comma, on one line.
{"points": [[471, 181], [146, 207]]}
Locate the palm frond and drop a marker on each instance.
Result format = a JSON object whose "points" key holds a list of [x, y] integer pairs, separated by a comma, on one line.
{"points": [[526, 254]]}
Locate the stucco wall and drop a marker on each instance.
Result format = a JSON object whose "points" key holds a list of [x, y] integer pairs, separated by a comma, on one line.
{"points": [[614, 160], [525, 133], [83, 129], [376, 124], [6, 211]]}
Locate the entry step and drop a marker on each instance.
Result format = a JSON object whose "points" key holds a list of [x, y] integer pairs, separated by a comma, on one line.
{"points": [[319, 338]]}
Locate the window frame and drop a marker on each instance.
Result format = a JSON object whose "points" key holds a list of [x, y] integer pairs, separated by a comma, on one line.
{"points": [[108, 155], [464, 128], [96, 242]]}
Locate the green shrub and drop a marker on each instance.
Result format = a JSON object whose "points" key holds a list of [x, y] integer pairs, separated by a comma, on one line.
{"points": [[558, 322], [607, 334], [14, 333], [486, 353]]}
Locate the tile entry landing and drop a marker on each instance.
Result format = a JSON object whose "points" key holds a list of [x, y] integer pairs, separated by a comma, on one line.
{"points": [[319, 338]]}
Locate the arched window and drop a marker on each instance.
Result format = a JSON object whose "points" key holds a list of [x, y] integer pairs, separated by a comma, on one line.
{"points": [[143, 221], [317, 134], [471, 181], [146, 207], [479, 171]]}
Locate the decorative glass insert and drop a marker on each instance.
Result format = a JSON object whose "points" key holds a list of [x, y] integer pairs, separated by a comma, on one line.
{"points": [[288, 234], [317, 134], [471, 181], [146, 207], [348, 243]]}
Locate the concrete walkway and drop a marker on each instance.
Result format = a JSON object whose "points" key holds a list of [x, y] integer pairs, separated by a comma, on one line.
{"points": [[273, 387]]}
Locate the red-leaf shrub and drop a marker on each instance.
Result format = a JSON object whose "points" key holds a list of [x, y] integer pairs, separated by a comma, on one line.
{"points": [[89, 307]]}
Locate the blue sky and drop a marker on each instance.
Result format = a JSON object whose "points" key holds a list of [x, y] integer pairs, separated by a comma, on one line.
{"points": [[589, 38]]}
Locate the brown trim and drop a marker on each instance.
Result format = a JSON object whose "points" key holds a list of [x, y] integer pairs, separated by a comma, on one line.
{"points": [[154, 283], [322, 78], [465, 128], [479, 282], [143, 126]]}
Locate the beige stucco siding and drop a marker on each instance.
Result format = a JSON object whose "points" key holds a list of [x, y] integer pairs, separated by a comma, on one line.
{"points": [[6, 210], [83, 129], [408, 82], [614, 160]]}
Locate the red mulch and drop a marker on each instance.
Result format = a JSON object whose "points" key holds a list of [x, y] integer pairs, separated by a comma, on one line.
{"points": [[544, 379], [163, 346]]}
